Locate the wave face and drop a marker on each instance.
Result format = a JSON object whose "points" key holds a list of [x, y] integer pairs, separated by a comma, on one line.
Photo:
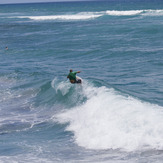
{"points": [[110, 120]]}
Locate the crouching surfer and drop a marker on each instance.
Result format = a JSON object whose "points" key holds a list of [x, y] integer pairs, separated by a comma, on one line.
{"points": [[72, 77]]}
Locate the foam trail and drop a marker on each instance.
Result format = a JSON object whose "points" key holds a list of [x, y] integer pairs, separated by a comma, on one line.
{"points": [[108, 120]]}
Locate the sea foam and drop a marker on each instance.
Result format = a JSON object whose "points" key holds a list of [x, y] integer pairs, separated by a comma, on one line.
{"points": [[62, 17], [123, 13], [153, 13], [110, 120]]}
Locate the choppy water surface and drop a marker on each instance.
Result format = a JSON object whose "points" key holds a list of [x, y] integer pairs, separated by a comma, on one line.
{"points": [[116, 115]]}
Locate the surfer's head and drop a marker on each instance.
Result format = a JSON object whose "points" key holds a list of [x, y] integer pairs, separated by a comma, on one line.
{"points": [[71, 70]]}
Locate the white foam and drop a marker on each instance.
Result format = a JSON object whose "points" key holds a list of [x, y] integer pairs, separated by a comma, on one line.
{"points": [[109, 120], [153, 13], [62, 17], [135, 12], [123, 13]]}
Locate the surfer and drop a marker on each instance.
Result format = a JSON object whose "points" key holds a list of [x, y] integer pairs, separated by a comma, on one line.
{"points": [[72, 77]]}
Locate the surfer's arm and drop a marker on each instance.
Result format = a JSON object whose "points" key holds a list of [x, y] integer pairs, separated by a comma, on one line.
{"points": [[78, 71]]}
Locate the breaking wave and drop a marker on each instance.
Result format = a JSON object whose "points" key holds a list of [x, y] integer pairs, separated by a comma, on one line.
{"points": [[124, 13], [62, 17], [107, 119], [93, 15]]}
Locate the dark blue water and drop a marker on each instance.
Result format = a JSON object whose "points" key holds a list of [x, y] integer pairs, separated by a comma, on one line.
{"points": [[116, 115]]}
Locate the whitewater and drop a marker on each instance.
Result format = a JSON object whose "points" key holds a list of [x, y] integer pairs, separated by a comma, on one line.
{"points": [[110, 120]]}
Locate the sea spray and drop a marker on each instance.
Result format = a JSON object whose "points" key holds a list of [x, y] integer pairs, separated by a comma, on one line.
{"points": [[67, 93]]}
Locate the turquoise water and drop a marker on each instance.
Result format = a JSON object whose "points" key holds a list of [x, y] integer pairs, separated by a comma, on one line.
{"points": [[116, 115]]}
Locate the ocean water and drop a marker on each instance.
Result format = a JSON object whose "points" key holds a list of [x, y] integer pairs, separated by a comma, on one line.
{"points": [[116, 115]]}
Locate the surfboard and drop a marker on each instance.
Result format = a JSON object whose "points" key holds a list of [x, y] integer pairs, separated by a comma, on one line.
{"points": [[78, 80]]}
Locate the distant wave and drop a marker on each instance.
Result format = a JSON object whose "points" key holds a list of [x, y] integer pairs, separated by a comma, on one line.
{"points": [[135, 12], [152, 13], [94, 15], [124, 13], [62, 17]]}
